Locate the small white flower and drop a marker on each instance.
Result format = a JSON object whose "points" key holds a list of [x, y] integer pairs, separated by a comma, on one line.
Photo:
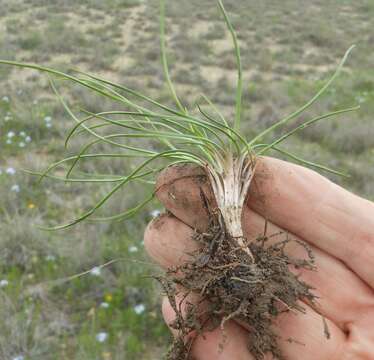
{"points": [[48, 125], [155, 213], [139, 309], [50, 258], [9, 141], [102, 337], [48, 119], [4, 283], [104, 305], [19, 357], [15, 188], [133, 249], [10, 171], [21, 144], [35, 102], [7, 118], [5, 99], [28, 139], [360, 99], [22, 134], [95, 271], [10, 134]]}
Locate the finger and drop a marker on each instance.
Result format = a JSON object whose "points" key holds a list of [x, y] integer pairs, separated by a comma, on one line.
{"points": [[296, 199], [319, 211], [309, 336], [228, 345], [338, 305], [305, 336], [180, 189], [169, 241]]}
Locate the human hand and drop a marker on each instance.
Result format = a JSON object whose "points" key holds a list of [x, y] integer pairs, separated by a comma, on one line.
{"points": [[337, 225]]}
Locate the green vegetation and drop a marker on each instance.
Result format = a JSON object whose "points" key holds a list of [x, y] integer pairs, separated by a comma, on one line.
{"points": [[284, 64]]}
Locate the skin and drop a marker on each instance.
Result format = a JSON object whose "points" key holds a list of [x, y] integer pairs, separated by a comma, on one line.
{"points": [[339, 227]]}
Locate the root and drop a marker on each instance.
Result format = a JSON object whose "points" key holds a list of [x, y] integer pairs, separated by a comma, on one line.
{"points": [[253, 289]]}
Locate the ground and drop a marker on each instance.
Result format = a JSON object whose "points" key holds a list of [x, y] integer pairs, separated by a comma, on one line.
{"points": [[288, 51]]}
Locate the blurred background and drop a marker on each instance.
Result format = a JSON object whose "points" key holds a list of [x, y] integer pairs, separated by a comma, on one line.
{"points": [[289, 48]]}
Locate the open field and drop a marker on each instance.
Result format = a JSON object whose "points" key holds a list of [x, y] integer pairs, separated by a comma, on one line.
{"points": [[288, 48]]}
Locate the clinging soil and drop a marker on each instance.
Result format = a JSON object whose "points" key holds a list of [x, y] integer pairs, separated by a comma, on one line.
{"points": [[253, 287]]}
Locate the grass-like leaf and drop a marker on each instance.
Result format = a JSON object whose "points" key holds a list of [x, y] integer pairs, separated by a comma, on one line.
{"points": [[177, 135]]}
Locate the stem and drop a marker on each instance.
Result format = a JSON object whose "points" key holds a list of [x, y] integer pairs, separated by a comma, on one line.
{"points": [[230, 182]]}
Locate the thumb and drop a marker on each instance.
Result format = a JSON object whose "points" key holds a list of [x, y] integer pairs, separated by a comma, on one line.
{"points": [[181, 189]]}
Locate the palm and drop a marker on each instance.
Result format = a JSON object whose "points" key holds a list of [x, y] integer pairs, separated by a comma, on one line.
{"points": [[339, 227]]}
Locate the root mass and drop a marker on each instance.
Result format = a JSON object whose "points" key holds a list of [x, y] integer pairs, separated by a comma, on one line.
{"points": [[253, 287]]}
